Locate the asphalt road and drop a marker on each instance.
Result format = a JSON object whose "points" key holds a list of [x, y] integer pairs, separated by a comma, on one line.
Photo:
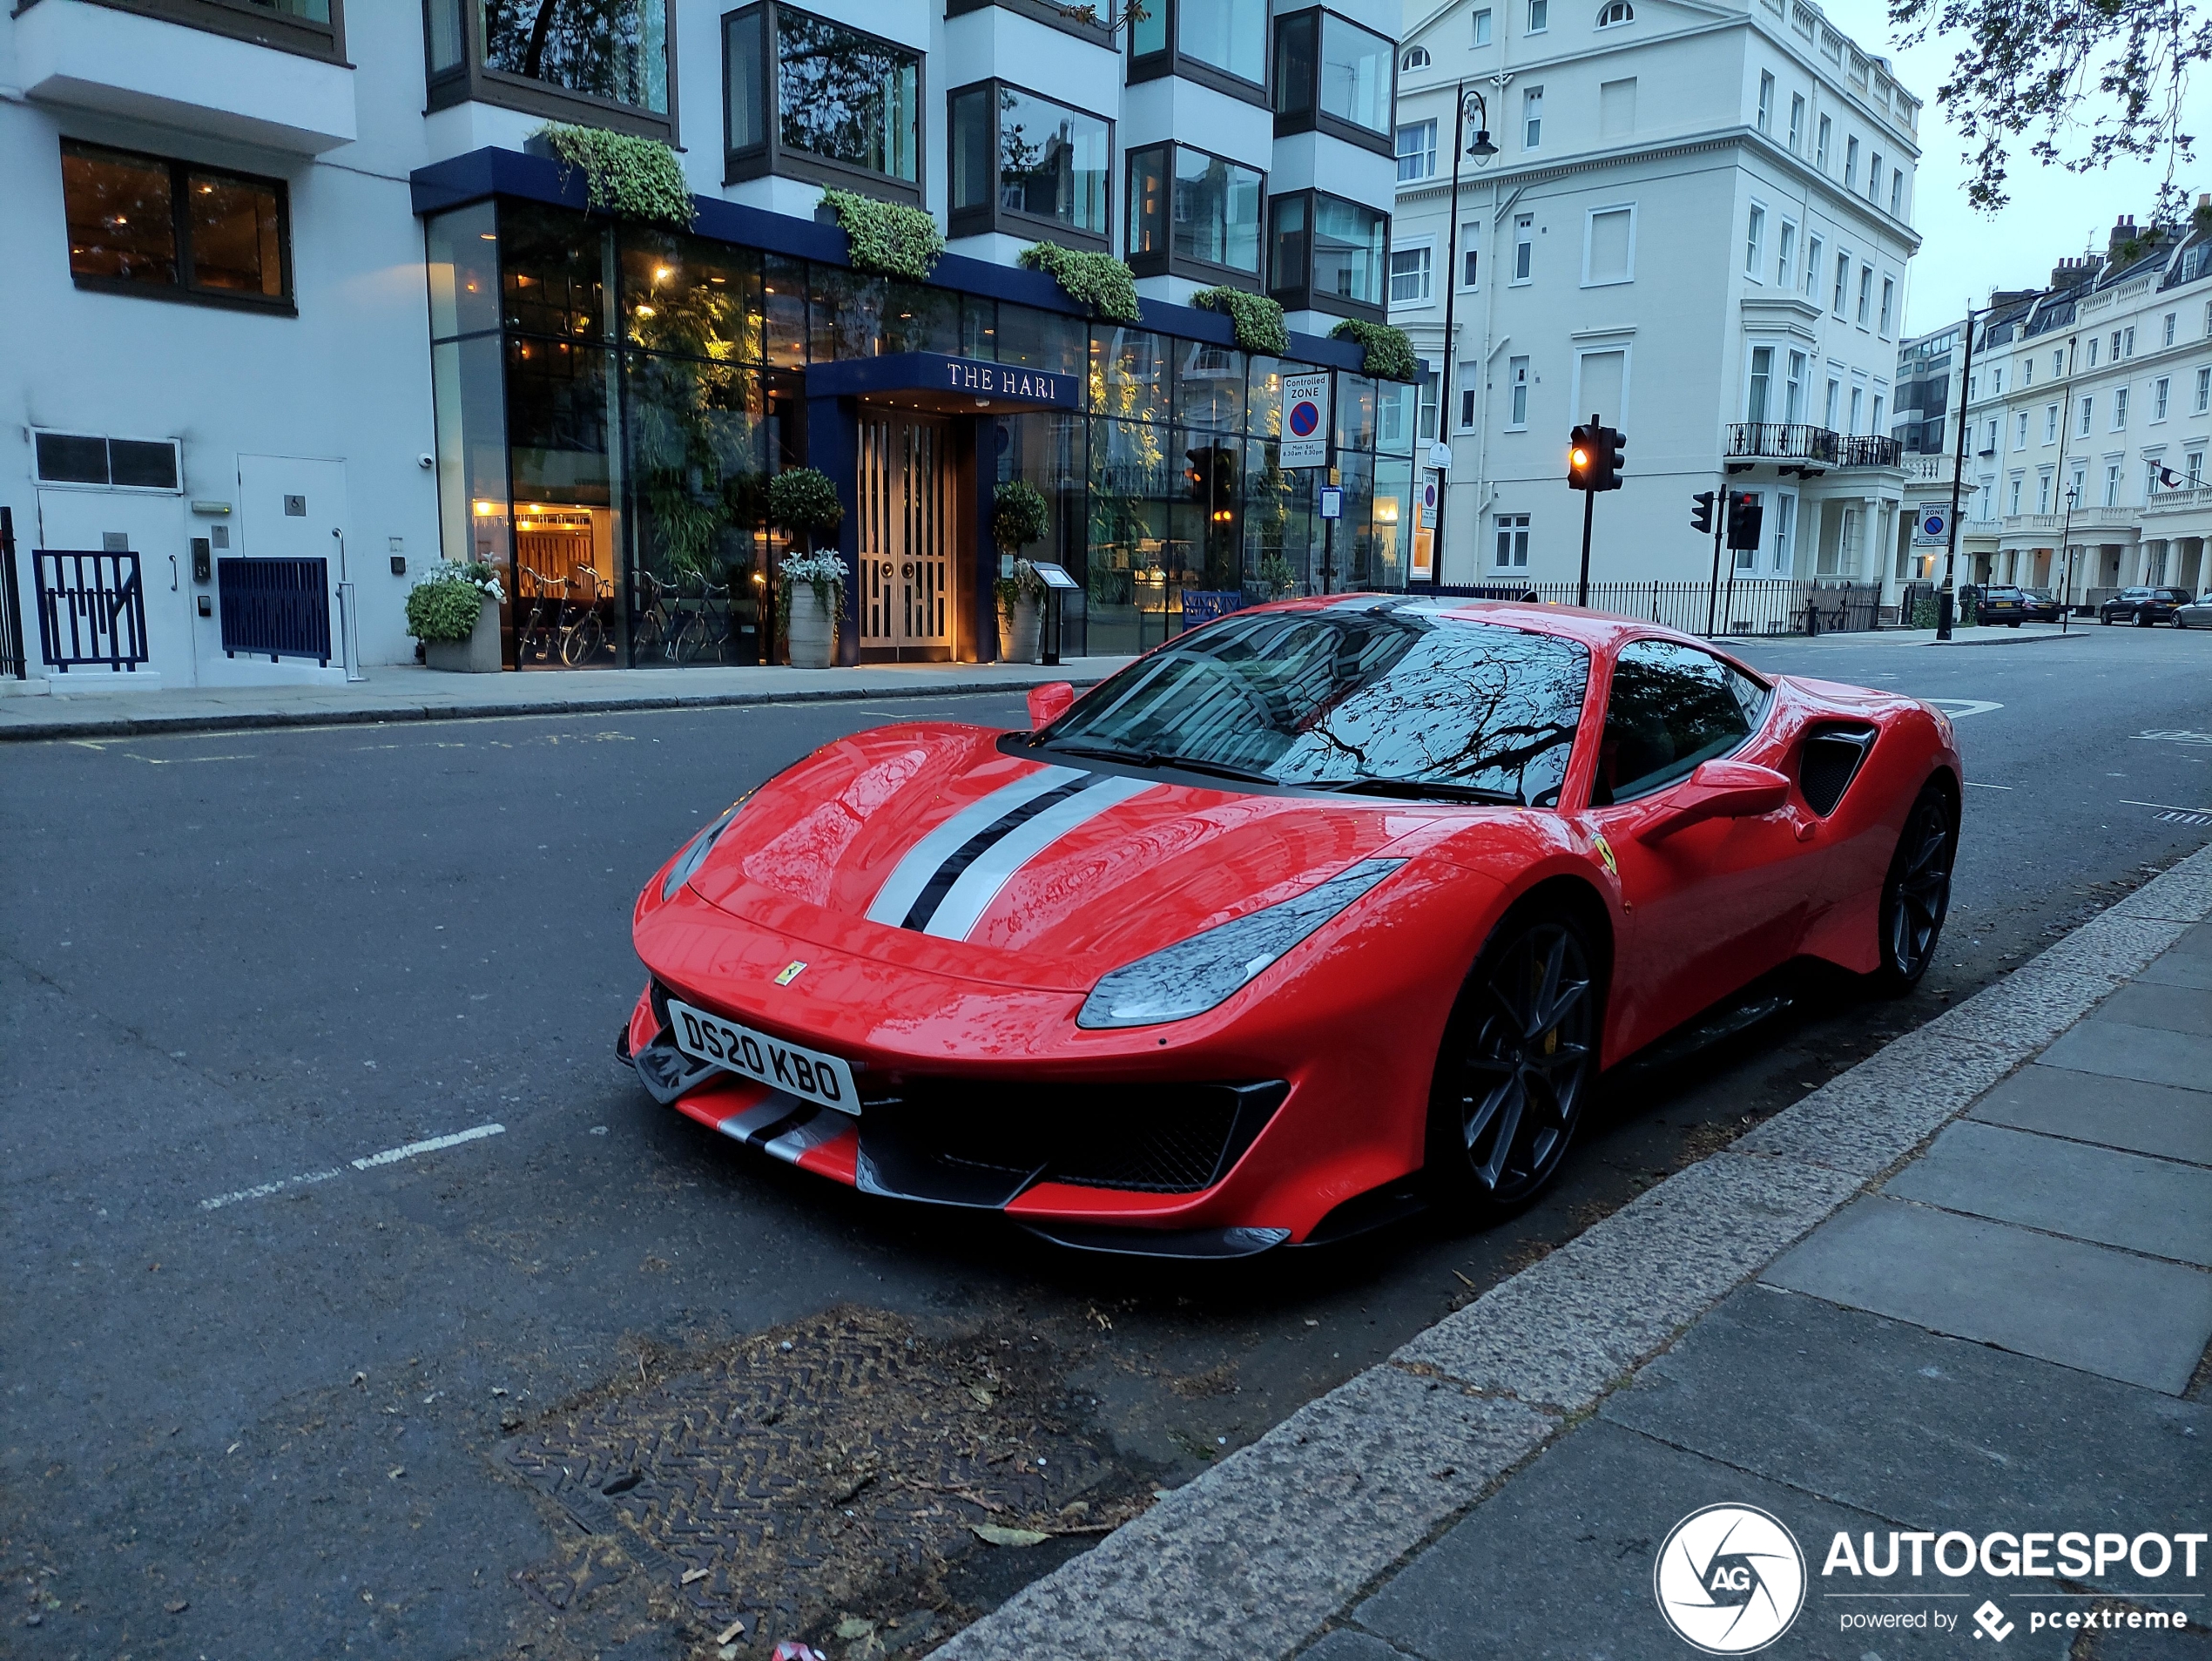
{"points": [[279, 1425]]}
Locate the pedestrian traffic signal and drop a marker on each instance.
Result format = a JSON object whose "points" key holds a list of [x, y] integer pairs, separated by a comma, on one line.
{"points": [[1700, 517], [1745, 515], [1605, 471], [1582, 458]]}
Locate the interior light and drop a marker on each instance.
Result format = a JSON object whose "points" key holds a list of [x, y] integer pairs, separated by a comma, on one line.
{"points": [[662, 274], [486, 236], [647, 311]]}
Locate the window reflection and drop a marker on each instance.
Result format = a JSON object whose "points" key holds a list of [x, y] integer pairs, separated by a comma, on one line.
{"points": [[1671, 707], [616, 50], [845, 95]]}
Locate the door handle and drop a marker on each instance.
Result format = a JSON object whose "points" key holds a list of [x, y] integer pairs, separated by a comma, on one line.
{"points": [[173, 573]]}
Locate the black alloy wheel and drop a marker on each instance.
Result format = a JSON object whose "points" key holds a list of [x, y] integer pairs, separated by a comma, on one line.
{"points": [[1520, 1054], [1916, 895]]}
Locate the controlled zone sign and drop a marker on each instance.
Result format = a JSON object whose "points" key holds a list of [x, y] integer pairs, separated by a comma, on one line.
{"points": [[1931, 525], [1305, 421]]}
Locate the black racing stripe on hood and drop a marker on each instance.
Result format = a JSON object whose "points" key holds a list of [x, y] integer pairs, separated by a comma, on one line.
{"points": [[941, 881]]}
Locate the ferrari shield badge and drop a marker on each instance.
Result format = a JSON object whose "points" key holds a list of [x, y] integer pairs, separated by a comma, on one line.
{"points": [[1605, 852], [794, 968]]}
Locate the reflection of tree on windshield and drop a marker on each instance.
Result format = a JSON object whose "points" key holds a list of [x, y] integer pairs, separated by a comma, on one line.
{"points": [[1372, 693]]}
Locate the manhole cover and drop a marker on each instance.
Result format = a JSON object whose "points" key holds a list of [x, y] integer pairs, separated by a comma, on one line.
{"points": [[818, 1467]]}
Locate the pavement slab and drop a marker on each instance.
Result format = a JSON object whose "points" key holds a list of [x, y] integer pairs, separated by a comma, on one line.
{"points": [[2140, 1319], [2175, 1008], [2159, 1119], [2121, 1049], [1925, 1431], [2158, 1207], [1561, 1330], [1255, 1555]]}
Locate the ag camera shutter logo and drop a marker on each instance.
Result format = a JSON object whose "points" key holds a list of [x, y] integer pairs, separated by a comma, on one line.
{"points": [[1729, 1579]]}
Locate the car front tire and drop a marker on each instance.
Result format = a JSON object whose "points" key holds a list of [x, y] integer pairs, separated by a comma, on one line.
{"points": [[1519, 1056]]}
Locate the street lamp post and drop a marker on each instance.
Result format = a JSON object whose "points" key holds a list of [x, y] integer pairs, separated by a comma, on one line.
{"points": [[1947, 597], [1464, 105], [2066, 554]]}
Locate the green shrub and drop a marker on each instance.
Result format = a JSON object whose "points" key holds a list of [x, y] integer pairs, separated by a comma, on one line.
{"points": [[1389, 353], [634, 177], [804, 501], [1097, 280], [1018, 515], [445, 604], [1258, 319], [889, 238]]}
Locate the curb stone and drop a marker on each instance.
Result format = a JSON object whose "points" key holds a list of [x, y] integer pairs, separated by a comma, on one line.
{"points": [[1256, 1556]]}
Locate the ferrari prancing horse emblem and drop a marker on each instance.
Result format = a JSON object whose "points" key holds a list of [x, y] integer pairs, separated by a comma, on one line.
{"points": [[1604, 851], [792, 972]]}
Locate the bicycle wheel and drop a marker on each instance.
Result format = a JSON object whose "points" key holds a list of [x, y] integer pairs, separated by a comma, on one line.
{"points": [[581, 644]]}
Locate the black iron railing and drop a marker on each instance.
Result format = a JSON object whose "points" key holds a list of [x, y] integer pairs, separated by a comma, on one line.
{"points": [[12, 655], [1872, 449], [92, 609], [1793, 441], [279, 607], [1736, 607]]}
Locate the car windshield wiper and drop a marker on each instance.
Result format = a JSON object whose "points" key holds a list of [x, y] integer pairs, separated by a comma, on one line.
{"points": [[1156, 759], [1414, 789]]}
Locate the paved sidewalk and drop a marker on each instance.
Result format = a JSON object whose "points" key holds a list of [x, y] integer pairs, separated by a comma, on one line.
{"points": [[1972, 635], [1947, 1291], [405, 692]]}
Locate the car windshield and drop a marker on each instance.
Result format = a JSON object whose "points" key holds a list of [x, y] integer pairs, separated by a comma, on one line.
{"points": [[2037, 593], [1379, 698]]}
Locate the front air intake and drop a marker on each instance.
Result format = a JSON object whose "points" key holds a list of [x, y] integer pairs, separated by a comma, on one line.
{"points": [[1832, 759]]}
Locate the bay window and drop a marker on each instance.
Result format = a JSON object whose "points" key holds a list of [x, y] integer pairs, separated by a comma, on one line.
{"points": [[1193, 213], [1332, 75], [1221, 43], [804, 98], [601, 61], [1020, 162], [1325, 253]]}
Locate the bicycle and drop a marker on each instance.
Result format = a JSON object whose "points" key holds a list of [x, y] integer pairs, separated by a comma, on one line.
{"points": [[534, 639], [657, 629], [583, 636]]}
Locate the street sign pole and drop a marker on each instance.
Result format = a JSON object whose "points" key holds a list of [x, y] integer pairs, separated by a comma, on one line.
{"points": [[1582, 588], [1720, 529]]}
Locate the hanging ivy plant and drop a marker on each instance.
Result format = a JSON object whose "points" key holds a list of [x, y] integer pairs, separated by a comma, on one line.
{"points": [[1258, 319], [804, 501], [889, 238], [1096, 280], [636, 178], [1018, 515], [1389, 353]]}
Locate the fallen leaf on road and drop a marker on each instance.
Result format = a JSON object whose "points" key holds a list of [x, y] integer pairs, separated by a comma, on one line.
{"points": [[994, 1534], [1466, 1282], [730, 1633], [179, 1606], [232, 1448], [981, 1394], [396, 1471], [690, 1575]]}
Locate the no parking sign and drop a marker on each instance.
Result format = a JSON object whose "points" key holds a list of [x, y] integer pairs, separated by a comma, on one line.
{"points": [[1932, 526], [1305, 421]]}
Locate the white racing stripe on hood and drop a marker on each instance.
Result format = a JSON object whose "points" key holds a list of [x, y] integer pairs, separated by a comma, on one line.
{"points": [[967, 900], [912, 873]]}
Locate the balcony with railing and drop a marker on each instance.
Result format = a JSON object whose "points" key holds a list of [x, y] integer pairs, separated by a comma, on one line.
{"points": [[1801, 442], [2161, 502]]}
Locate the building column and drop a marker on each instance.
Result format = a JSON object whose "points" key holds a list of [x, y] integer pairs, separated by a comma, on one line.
{"points": [[834, 447]]}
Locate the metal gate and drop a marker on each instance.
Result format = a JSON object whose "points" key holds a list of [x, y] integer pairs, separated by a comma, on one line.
{"points": [[907, 485], [92, 609]]}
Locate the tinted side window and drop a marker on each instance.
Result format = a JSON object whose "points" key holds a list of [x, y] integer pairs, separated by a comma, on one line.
{"points": [[1671, 707]]}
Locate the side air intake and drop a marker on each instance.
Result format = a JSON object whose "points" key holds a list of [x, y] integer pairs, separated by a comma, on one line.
{"points": [[1832, 759]]}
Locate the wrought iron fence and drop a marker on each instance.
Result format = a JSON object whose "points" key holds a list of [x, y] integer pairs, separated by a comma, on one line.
{"points": [[12, 656], [1783, 440], [92, 609], [279, 607], [1755, 606], [1872, 449]]}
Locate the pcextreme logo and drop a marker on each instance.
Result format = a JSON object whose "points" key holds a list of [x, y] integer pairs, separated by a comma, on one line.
{"points": [[1729, 1579]]}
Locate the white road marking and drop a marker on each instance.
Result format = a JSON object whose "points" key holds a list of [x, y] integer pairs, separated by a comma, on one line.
{"points": [[2179, 735], [2170, 807], [367, 1162], [1959, 708], [1976, 784]]}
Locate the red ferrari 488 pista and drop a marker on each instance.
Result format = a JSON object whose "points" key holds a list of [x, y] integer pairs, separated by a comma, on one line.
{"points": [[1317, 911]]}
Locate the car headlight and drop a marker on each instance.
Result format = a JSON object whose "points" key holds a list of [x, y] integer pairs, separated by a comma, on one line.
{"points": [[695, 853], [1193, 975]]}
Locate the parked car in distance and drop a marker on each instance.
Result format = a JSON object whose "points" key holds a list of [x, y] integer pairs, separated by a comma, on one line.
{"points": [[2197, 614], [2005, 604], [2143, 606], [2042, 605]]}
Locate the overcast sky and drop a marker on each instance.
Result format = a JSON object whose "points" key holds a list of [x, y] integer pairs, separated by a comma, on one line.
{"points": [[2052, 213]]}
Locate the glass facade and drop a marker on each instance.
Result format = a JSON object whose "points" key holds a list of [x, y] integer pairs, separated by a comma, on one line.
{"points": [[612, 401], [822, 90]]}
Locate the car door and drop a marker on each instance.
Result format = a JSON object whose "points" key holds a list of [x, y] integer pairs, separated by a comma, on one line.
{"points": [[1718, 903]]}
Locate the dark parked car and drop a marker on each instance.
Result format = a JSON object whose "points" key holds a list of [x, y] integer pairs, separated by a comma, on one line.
{"points": [[2003, 605], [2144, 605], [2042, 605]]}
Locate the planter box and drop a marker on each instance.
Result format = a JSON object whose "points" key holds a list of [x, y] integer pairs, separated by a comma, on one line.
{"points": [[478, 654], [813, 632], [1021, 632]]}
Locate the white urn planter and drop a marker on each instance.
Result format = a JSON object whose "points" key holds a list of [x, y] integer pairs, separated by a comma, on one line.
{"points": [[812, 632], [1021, 632], [477, 655]]}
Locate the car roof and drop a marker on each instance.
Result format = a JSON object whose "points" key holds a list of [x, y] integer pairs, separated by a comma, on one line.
{"points": [[1601, 631]]}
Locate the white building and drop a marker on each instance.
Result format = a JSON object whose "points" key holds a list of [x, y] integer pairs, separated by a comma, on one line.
{"points": [[1698, 226], [292, 310], [2086, 397]]}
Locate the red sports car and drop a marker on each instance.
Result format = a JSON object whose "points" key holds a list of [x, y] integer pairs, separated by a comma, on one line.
{"points": [[1318, 912]]}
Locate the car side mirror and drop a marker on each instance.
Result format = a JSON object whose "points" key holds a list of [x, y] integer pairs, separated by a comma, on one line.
{"points": [[1049, 702], [1717, 790]]}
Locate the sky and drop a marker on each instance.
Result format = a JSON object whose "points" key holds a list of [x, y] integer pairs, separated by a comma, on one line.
{"points": [[1966, 253]]}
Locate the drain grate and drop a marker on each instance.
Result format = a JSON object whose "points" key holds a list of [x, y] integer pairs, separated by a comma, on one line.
{"points": [[817, 1465]]}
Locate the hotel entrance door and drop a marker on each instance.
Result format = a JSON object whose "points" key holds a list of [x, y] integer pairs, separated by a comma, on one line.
{"points": [[907, 489]]}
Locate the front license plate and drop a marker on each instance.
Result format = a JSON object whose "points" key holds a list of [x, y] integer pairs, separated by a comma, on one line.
{"points": [[793, 1068]]}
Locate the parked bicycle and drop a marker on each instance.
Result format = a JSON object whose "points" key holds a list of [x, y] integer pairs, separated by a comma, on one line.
{"points": [[534, 639], [665, 628], [583, 636]]}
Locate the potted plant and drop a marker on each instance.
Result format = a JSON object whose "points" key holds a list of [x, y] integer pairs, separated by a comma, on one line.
{"points": [[804, 501], [455, 612], [1018, 518]]}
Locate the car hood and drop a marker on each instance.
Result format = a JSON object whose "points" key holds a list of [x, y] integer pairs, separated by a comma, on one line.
{"points": [[929, 846]]}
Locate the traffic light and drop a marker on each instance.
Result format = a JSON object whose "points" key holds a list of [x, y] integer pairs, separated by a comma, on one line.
{"points": [[1605, 471], [1582, 446], [1700, 517], [1745, 515]]}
